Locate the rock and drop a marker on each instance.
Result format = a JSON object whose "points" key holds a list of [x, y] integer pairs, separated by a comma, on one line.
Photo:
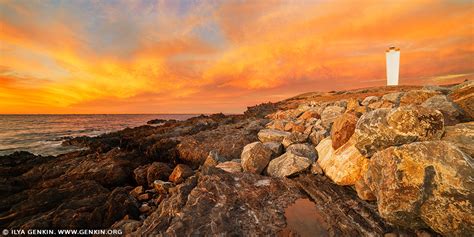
{"points": [[342, 129], [353, 106], [288, 164], [162, 186], [275, 147], [369, 100], [293, 138], [126, 225], [144, 197], [393, 97], [230, 166], [329, 114], [317, 136], [139, 174], [424, 183], [463, 96], [449, 110], [462, 135], [345, 165], [255, 157], [383, 128], [157, 171], [271, 135], [277, 124], [180, 173], [304, 150], [363, 190], [416, 97], [298, 128], [443, 90], [137, 191], [145, 208], [316, 169], [213, 159], [380, 104], [309, 114]]}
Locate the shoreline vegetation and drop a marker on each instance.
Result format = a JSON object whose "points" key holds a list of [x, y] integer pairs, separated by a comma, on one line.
{"points": [[393, 161]]}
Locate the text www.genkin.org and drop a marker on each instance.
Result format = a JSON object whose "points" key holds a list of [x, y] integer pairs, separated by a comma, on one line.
{"points": [[13, 232]]}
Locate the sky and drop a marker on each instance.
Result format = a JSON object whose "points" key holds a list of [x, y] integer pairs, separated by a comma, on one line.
{"points": [[113, 56]]}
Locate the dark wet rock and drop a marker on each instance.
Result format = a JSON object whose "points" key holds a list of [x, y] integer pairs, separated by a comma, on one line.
{"points": [[156, 121], [210, 204], [424, 184], [137, 191], [180, 173], [383, 128]]}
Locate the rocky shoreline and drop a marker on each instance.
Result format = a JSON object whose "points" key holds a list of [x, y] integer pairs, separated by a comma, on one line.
{"points": [[393, 161]]}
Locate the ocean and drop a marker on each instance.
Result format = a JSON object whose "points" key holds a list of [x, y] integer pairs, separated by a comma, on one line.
{"points": [[43, 134]]}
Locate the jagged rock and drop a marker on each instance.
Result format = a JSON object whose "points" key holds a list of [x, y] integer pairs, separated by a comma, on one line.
{"points": [[369, 100], [255, 157], [157, 171], [449, 110], [180, 173], [288, 164], [206, 205], [342, 129], [293, 138], [213, 159], [317, 136], [309, 114], [345, 165], [230, 166], [329, 114], [275, 147], [271, 135], [424, 183], [363, 190], [416, 97], [393, 97], [304, 150], [462, 135], [139, 174], [162, 186], [383, 128], [137, 191], [463, 96]]}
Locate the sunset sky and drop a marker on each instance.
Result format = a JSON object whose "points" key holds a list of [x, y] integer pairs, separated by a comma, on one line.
{"points": [[218, 56]]}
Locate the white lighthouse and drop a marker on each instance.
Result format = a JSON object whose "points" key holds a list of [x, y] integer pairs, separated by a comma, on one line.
{"points": [[393, 65]]}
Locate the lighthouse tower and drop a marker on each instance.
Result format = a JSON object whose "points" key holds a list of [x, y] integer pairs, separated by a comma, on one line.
{"points": [[393, 65]]}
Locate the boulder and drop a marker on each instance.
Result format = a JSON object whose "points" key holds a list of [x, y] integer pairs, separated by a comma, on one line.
{"points": [[383, 128], [463, 96], [369, 100], [330, 113], [462, 135], [317, 136], [363, 190], [180, 173], [441, 89], [139, 174], [275, 147], [345, 165], [416, 97], [304, 150], [342, 129], [230, 166], [293, 138], [424, 184], [288, 164], [271, 135], [213, 159], [393, 97], [309, 114], [277, 124], [157, 171], [255, 157], [353, 106], [441, 102]]}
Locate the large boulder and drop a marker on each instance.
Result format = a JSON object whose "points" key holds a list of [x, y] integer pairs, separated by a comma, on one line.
{"points": [[416, 97], [303, 149], [275, 147], [271, 135], [344, 165], [462, 135], [450, 111], [288, 164], [330, 113], [369, 100], [383, 128], [463, 96], [425, 184], [255, 157], [393, 97], [342, 129]]}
